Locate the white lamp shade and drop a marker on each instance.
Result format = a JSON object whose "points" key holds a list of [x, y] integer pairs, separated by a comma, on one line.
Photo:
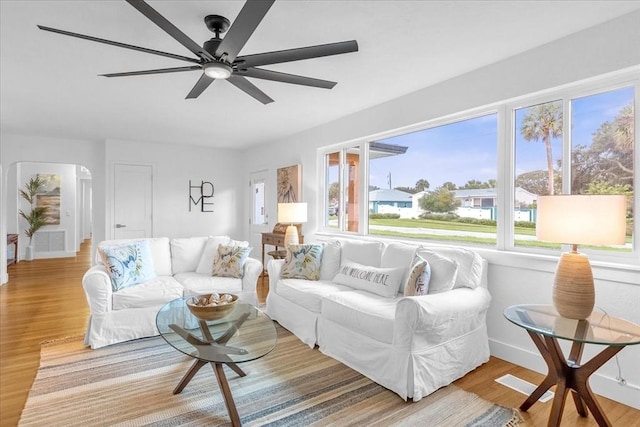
{"points": [[582, 219], [292, 213]]}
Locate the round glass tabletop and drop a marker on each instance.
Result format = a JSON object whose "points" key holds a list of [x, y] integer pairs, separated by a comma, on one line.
{"points": [[244, 334], [600, 328]]}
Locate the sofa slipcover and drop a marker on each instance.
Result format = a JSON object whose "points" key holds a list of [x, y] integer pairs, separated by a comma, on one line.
{"points": [[182, 266], [411, 345]]}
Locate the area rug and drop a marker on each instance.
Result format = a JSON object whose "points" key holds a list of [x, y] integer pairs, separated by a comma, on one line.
{"points": [[130, 384]]}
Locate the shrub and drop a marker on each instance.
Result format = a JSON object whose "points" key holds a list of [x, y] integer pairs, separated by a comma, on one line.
{"points": [[384, 216], [525, 224]]}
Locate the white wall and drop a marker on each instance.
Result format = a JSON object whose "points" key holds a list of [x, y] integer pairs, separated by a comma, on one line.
{"points": [[514, 278], [174, 166]]}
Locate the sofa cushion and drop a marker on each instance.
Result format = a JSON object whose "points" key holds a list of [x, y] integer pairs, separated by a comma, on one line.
{"points": [[469, 265], [200, 284], [398, 255], [303, 262], [369, 314], [186, 253], [205, 265], [381, 281], [419, 278], [362, 252], [330, 260], [229, 261], [160, 252], [308, 293], [127, 264], [155, 292], [444, 271]]}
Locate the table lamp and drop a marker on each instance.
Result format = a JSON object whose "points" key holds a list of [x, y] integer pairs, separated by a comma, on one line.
{"points": [[292, 213], [579, 219]]}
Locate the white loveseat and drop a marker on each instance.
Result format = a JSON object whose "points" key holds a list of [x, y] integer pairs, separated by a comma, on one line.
{"points": [[182, 267], [410, 345]]}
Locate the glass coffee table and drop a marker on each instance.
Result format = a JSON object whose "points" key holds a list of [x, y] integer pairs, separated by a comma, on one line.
{"points": [[545, 326], [244, 334]]}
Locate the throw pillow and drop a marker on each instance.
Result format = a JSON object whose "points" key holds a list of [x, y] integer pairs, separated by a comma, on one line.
{"points": [[443, 271], [303, 262], [128, 264], [381, 281], [419, 278], [229, 261], [331, 253], [209, 253]]}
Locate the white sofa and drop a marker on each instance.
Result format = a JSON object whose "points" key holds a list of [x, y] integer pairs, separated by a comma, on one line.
{"points": [[410, 345], [182, 268]]}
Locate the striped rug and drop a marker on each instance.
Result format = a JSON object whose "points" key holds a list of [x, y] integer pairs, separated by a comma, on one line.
{"points": [[131, 384]]}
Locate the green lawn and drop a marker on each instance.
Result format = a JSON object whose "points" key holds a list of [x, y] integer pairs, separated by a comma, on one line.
{"points": [[445, 225], [448, 225]]}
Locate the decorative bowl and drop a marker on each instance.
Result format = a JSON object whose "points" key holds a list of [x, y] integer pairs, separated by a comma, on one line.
{"points": [[211, 306]]}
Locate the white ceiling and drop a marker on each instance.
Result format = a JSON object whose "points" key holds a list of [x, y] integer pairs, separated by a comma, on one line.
{"points": [[49, 84]]}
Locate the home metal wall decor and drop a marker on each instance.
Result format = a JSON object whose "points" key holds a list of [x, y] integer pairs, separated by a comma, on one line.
{"points": [[289, 184], [201, 195], [49, 196]]}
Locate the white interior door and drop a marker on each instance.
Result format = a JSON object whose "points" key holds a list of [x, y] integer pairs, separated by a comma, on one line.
{"points": [[258, 193], [133, 201]]}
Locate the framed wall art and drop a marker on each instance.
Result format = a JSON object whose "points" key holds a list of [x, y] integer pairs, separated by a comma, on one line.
{"points": [[49, 196], [290, 184]]}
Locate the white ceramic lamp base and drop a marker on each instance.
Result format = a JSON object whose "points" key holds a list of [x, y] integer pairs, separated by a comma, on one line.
{"points": [[573, 292], [291, 236]]}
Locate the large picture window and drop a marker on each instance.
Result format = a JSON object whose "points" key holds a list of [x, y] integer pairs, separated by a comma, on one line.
{"points": [[437, 183], [444, 182]]}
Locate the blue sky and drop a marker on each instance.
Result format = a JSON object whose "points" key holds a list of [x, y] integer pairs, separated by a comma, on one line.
{"points": [[467, 150]]}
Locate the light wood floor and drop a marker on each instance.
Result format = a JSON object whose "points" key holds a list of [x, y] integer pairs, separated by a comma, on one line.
{"points": [[44, 300]]}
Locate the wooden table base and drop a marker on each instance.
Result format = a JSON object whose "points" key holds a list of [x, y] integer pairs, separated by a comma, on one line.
{"points": [[568, 374], [218, 347]]}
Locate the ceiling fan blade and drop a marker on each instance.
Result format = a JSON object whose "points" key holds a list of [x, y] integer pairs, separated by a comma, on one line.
{"points": [[249, 88], [277, 76], [203, 82], [245, 24], [158, 71], [297, 54], [169, 28], [118, 44]]}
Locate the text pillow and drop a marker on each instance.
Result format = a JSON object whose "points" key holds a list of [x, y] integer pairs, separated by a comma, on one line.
{"points": [[302, 262], [381, 281], [128, 264], [419, 278], [229, 261], [443, 271]]}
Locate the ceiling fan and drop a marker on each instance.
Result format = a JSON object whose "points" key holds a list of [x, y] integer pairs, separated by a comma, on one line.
{"points": [[218, 57]]}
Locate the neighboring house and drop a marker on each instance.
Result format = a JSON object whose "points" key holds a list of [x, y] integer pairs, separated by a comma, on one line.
{"points": [[481, 203], [388, 198], [486, 197]]}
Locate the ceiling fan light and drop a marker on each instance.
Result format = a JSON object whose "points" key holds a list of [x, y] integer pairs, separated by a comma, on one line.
{"points": [[217, 70]]}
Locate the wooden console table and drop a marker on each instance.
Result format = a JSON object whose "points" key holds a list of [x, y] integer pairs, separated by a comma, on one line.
{"points": [[12, 239]]}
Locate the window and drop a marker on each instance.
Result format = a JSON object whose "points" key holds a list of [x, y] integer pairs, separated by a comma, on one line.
{"points": [[433, 183], [342, 171], [440, 182], [592, 153]]}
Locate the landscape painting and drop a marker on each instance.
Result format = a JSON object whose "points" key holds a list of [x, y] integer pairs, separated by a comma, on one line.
{"points": [[49, 196]]}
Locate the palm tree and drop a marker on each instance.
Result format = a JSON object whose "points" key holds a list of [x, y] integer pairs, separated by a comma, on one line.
{"points": [[422, 185], [544, 122]]}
